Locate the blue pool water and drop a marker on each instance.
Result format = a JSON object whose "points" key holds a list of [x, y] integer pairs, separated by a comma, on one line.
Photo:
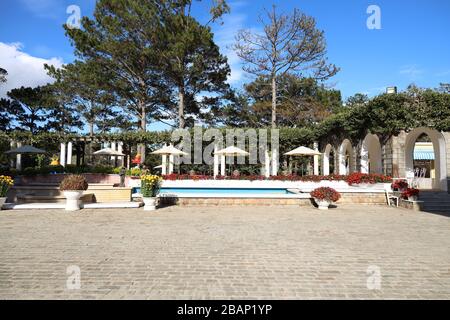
{"points": [[218, 191]]}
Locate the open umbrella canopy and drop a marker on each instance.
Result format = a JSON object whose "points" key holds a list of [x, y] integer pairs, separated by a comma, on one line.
{"points": [[26, 150], [108, 152], [232, 151], [303, 151], [169, 150]]}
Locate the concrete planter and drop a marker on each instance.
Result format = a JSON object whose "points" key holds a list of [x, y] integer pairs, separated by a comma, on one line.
{"points": [[322, 204], [73, 202], [149, 203], [2, 202]]}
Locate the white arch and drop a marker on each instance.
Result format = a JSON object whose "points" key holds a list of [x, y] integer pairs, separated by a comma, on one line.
{"points": [[440, 182], [326, 159], [371, 154], [346, 147]]}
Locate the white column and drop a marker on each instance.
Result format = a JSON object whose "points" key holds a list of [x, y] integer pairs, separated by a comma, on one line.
{"points": [[316, 160], [267, 164], [164, 164], [326, 164], [171, 161], [342, 167], [19, 158], [69, 153], [274, 162], [11, 145], [120, 149], [364, 159], [216, 162], [62, 155], [113, 147], [222, 166]]}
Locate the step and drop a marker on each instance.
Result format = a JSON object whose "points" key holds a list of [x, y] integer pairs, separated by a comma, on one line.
{"points": [[22, 199], [99, 205]]}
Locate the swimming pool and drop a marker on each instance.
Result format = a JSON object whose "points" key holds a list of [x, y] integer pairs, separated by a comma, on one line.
{"points": [[239, 191], [221, 191]]}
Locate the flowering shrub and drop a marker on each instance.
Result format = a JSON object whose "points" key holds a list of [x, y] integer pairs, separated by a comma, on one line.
{"points": [[410, 192], [399, 184], [6, 182], [150, 185], [326, 193], [358, 177], [354, 178], [73, 182]]}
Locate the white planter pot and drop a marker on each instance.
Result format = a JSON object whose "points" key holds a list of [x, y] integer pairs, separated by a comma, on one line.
{"points": [[2, 202], [412, 198], [322, 204], [149, 203], [73, 202]]}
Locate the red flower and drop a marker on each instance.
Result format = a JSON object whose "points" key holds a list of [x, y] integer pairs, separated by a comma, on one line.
{"points": [[326, 193], [410, 192]]}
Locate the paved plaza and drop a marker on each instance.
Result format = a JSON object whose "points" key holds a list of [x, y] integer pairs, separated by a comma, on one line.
{"points": [[225, 253]]}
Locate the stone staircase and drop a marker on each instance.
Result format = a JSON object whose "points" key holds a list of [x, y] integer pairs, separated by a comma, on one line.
{"points": [[435, 202]]}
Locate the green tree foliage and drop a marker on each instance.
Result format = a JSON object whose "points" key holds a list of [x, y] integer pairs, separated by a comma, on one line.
{"points": [[120, 41], [301, 102], [77, 84], [8, 110], [32, 112], [191, 62], [62, 116], [3, 74]]}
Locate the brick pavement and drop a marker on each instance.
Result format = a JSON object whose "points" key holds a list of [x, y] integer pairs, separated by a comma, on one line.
{"points": [[225, 253]]}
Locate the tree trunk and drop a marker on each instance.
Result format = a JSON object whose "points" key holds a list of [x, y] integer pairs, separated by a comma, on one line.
{"points": [[91, 129], [141, 148], [91, 135], [181, 122], [274, 101]]}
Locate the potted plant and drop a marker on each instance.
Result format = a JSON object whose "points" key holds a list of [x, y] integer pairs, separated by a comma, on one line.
{"points": [[150, 185], [6, 182], [399, 185], [324, 196], [73, 187], [411, 194]]}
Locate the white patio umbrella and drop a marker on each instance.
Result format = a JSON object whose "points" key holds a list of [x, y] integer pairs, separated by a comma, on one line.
{"points": [[26, 150], [304, 151], [230, 152], [108, 152], [170, 151]]}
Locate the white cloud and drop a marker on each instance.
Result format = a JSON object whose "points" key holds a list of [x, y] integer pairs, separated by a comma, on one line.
{"points": [[23, 69], [413, 72]]}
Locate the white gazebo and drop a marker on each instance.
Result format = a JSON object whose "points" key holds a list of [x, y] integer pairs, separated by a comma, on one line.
{"points": [[304, 151], [170, 151], [223, 153]]}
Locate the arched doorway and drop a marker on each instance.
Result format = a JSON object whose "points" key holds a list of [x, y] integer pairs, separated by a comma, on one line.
{"points": [[438, 180], [371, 155], [346, 159], [328, 162]]}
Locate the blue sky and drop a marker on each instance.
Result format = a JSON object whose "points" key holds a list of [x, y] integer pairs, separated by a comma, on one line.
{"points": [[411, 47]]}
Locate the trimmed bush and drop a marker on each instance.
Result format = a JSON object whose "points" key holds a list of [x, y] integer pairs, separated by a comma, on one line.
{"points": [[73, 183]]}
